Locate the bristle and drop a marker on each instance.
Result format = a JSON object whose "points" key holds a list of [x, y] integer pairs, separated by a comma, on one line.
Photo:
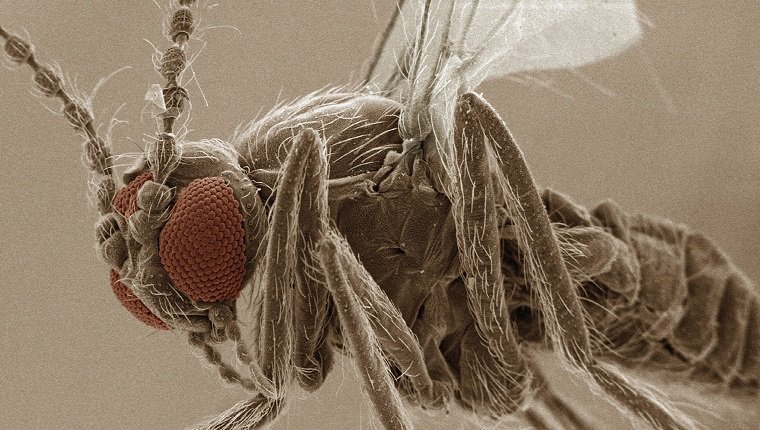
{"points": [[104, 191], [250, 414]]}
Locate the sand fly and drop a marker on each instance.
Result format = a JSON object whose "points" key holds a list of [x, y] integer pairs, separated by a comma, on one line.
{"points": [[395, 222]]}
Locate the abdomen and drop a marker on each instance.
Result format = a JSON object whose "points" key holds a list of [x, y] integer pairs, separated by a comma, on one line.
{"points": [[671, 299]]}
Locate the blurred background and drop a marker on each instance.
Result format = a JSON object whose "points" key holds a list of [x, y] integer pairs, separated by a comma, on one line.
{"points": [[670, 128]]}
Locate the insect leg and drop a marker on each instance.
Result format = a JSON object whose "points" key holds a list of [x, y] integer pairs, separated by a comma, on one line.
{"points": [[430, 329], [483, 120], [277, 335], [558, 408], [395, 338], [360, 335], [492, 368], [559, 301], [280, 263], [386, 322], [312, 355], [250, 414]]}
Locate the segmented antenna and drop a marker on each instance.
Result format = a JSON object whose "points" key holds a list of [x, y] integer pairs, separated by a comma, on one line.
{"points": [[163, 155], [50, 83]]}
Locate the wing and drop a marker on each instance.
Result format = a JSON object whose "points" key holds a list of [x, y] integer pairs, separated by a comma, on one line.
{"points": [[434, 50], [508, 36]]}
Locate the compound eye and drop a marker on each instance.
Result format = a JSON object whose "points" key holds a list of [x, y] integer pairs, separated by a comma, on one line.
{"points": [[133, 304], [202, 245], [125, 200]]}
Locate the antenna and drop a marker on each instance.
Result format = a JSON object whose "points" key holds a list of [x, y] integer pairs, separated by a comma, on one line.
{"points": [[162, 154], [49, 83]]}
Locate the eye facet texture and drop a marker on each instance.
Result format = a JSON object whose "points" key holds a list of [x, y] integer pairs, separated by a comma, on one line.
{"points": [[125, 200], [202, 246], [133, 304]]}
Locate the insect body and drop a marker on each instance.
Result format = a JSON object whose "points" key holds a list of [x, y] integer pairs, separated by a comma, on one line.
{"points": [[664, 296], [408, 229]]}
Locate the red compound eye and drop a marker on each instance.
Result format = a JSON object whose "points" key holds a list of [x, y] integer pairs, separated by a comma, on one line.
{"points": [[134, 305], [125, 200], [202, 246]]}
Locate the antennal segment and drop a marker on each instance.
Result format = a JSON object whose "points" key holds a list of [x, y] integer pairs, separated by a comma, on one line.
{"points": [[163, 155], [50, 83]]}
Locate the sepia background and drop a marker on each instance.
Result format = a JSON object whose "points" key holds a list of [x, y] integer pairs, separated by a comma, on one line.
{"points": [[670, 128]]}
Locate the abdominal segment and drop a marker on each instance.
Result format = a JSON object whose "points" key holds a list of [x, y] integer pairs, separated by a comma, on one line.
{"points": [[670, 298]]}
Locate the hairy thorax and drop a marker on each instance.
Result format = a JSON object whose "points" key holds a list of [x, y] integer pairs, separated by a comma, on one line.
{"points": [[399, 225], [358, 130]]}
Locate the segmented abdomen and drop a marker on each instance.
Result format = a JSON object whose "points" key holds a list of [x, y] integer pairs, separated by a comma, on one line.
{"points": [[667, 297]]}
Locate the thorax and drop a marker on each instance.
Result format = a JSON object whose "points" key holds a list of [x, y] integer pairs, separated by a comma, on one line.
{"points": [[403, 231], [358, 129]]}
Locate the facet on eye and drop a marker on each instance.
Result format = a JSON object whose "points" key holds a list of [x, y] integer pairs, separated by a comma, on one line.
{"points": [[125, 200], [202, 246], [133, 304]]}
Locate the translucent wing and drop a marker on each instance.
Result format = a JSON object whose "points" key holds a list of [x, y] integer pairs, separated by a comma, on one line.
{"points": [[509, 36], [433, 50], [516, 36]]}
